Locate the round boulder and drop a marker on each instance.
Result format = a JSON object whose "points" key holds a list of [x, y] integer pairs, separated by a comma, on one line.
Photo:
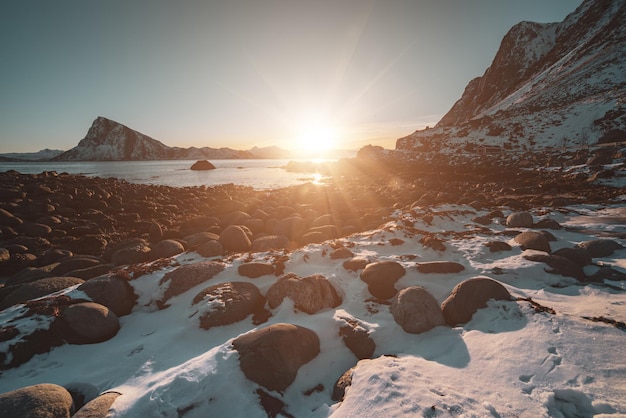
{"points": [[112, 292], [227, 303], [416, 310], [270, 242], [579, 256], [310, 294], [88, 323], [440, 267], [211, 248], [42, 400], [381, 278], [271, 356], [531, 240], [234, 238], [37, 289], [202, 165], [469, 296], [255, 269], [185, 277], [165, 249], [98, 407], [600, 247], [520, 220]]}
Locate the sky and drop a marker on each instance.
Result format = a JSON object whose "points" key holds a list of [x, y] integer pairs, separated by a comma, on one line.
{"points": [[241, 74]]}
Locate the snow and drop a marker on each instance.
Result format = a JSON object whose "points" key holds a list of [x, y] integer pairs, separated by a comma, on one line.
{"points": [[509, 360]]}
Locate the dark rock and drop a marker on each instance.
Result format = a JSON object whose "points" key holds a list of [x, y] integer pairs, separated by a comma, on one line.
{"points": [[579, 256], [98, 407], [37, 289], [237, 217], [112, 292], [343, 383], [355, 263], [356, 338], [211, 248], [202, 165], [381, 278], [531, 240], [133, 254], [483, 220], [74, 263], [469, 296], [271, 356], [27, 275], [606, 273], [559, 265], [549, 236], [255, 269], [310, 294], [520, 220], [200, 238], [5, 255], [416, 310], [440, 267], [53, 255], [270, 242], [497, 246], [185, 277], [234, 238], [33, 229], [227, 303], [42, 400], [600, 247], [340, 253], [88, 323], [165, 249], [548, 224], [90, 272]]}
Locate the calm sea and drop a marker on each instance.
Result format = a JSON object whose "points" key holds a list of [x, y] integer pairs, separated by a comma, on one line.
{"points": [[259, 174]]}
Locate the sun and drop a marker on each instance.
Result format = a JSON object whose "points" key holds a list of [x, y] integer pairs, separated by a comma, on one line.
{"points": [[317, 140]]}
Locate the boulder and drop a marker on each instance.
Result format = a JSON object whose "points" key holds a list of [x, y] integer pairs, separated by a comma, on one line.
{"points": [[531, 240], [112, 292], [271, 356], [416, 310], [234, 238], [211, 248], [293, 228], [498, 246], [227, 303], [341, 253], [270, 242], [133, 254], [559, 265], [42, 400], [37, 289], [356, 337], [202, 165], [75, 262], [600, 247], [381, 278], [199, 238], [340, 386], [254, 270], [310, 294], [90, 272], [469, 296], [356, 263], [579, 256], [98, 407], [440, 267], [520, 220], [166, 248], [185, 277], [88, 323]]}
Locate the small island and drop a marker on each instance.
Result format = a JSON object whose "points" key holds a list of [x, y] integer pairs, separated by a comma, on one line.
{"points": [[202, 165]]}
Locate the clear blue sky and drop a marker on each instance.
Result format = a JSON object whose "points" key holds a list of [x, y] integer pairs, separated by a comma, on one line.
{"points": [[244, 73]]}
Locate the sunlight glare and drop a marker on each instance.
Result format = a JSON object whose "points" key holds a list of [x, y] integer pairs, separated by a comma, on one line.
{"points": [[317, 140]]}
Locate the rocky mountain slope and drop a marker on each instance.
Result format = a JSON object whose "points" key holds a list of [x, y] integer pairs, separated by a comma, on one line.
{"points": [[43, 155], [108, 140], [550, 84]]}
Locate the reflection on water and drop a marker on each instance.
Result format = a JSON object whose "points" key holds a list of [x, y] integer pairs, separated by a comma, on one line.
{"points": [[259, 174]]}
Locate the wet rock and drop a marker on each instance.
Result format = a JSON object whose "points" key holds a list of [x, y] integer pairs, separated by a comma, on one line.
{"points": [[440, 267], [469, 296], [227, 303], [254, 270], [88, 323], [520, 220], [310, 294], [42, 400], [271, 356], [531, 240], [416, 310], [381, 278]]}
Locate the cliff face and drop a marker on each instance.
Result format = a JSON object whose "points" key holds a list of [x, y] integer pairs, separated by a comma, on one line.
{"points": [[108, 140], [549, 84]]}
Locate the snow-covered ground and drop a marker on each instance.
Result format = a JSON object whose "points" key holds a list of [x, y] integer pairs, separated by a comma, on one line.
{"points": [[509, 360]]}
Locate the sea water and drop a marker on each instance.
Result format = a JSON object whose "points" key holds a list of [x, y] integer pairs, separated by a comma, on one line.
{"points": [[259, 174]]}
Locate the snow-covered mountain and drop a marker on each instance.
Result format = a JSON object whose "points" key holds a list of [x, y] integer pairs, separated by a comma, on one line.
{"points": [[549, 85], [108, 140], [44, 154]]}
